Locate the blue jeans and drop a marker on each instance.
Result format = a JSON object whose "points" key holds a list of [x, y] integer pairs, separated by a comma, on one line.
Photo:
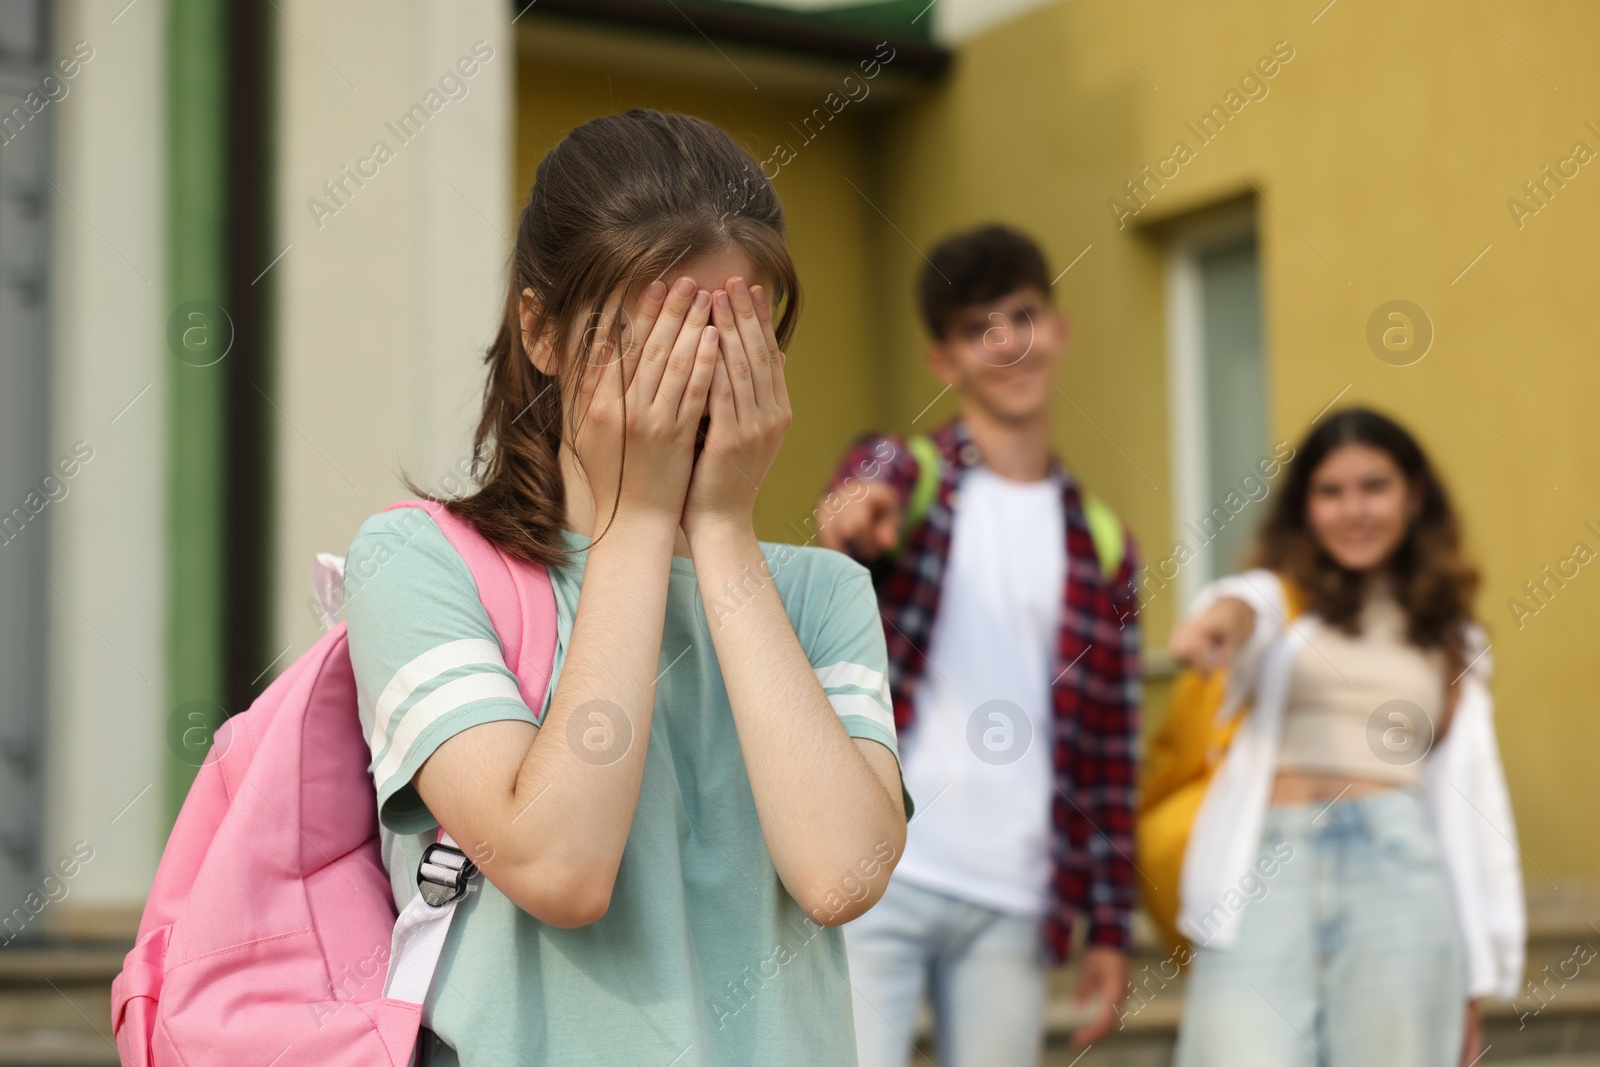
{"points": [[984, 970], [1351, 957]]}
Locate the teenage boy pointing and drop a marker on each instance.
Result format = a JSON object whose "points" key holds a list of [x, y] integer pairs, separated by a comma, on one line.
{"points": [[1008, 607]]}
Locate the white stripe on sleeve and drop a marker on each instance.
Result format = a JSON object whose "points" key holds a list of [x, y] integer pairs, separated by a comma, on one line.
{"points": [[846, 673], [431, 708], [425, 668], [862, 677], [865, 706]]}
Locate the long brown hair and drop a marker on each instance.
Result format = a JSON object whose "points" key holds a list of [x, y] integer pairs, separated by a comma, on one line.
{"points": [[620, 200], [1433, 579]]}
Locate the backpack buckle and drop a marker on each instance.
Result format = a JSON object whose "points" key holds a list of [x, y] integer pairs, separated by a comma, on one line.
{"points": [[443, 874]]}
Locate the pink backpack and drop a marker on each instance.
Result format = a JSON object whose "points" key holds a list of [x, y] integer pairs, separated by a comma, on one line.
{"points": [[270, 935]]}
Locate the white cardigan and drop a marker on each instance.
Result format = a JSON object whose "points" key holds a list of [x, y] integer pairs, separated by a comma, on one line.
{"points": [[1462, 779]]}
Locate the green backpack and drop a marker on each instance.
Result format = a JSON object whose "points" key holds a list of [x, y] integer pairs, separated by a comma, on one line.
{"points": [[1104, 526]]}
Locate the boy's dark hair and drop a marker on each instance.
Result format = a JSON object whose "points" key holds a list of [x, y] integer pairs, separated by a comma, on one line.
{"points": [[975, 267]]}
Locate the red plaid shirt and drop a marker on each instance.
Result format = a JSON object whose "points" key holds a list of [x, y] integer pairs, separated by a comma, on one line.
{"points": [[1095, 695]]}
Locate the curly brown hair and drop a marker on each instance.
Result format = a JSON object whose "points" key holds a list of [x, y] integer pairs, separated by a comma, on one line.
{"points": [[1433, 579], [620, 200]]}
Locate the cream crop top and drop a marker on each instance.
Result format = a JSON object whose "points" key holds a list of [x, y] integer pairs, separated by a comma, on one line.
{"points": [[1367, 705]]}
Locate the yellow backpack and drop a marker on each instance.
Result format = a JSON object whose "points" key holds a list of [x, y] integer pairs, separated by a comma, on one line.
{"points": [[1183, 755]]}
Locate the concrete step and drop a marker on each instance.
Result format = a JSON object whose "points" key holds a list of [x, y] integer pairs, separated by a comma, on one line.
{"points": [[55, 1003], [61, 961], [1565, 1033], [57, 1048], [1080, 1058], [1562, 1030], [1568, 1024], [55, 1007]]}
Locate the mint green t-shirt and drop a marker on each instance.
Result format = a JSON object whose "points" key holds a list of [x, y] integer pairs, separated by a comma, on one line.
{"points": [[703, 958]]}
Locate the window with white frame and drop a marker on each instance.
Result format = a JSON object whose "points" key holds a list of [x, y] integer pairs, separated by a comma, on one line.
{"points": [[1218, 400]]}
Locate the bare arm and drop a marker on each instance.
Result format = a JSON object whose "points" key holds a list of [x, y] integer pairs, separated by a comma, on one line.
{"points": [[827, 802], [545, 815]]}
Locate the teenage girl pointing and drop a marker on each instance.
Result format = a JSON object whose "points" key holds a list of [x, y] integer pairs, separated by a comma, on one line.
{"points": [[1368, 758]]}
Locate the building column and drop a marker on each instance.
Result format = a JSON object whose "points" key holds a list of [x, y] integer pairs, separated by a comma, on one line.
{"points": [[108, 677], [395, 209]]}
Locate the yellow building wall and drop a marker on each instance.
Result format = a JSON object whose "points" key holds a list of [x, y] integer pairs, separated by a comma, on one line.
{"points": [[832, 363], [1385, 152]]}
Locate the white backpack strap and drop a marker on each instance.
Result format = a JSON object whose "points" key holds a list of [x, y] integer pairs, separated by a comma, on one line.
{"points": [[442, 880], [327, 582]]}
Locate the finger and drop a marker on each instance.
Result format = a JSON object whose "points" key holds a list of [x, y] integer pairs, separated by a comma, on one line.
{"points": [[857, 543], [828, 532], [663, 335], [763, 305], [720, 401], [596, 341], [600, 348], [888, 528], [640, 324], [734, 357], [597, 381], [834, 531], [754, 341], [693, 404], [1089, 987], [1094, 1030], [596, 417], [1224, 654], [1085, 984], [1178, 647], [681, 362], [865, 541]]}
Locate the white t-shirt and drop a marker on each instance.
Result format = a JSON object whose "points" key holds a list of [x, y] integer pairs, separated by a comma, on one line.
{"points": [[977, 757]]}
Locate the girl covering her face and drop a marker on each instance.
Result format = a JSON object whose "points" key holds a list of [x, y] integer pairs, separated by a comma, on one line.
{"points": [[711, 785]]}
